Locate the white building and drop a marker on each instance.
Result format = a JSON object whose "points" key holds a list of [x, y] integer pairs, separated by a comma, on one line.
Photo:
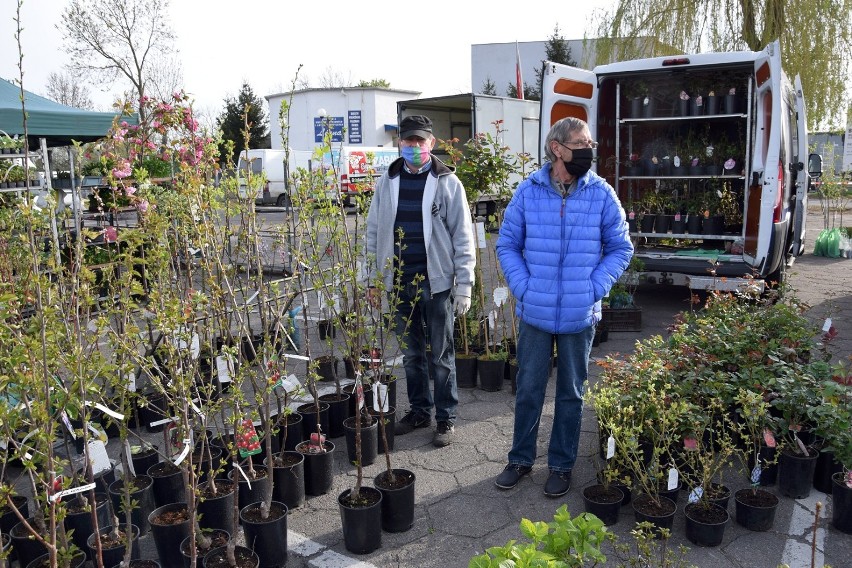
{"points": [[357, 116]]}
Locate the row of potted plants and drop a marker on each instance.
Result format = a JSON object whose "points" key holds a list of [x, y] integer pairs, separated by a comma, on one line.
{"points": [[743, 386]]}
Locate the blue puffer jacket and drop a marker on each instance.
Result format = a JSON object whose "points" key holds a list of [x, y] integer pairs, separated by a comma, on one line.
{"points": [[561, 255]]}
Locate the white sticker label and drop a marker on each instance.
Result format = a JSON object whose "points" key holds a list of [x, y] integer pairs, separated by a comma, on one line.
{"points": [[827, 325], [673, 479], [224, 368], [98, 457], [380, 397], [480, 235], [292, 356], [73, 491], [501, 294], [610, 448]]}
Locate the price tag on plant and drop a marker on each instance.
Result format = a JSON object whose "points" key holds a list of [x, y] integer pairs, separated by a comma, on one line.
{"points": [[492, 319], [673, 479], [64, 417], [769, 438], [480, 235], [224, 368], [98, 456], [131, 382], [690, 444], [610, 447], [290, 384], [380, 397], [755, 474], [501, 294], [248, 442]]}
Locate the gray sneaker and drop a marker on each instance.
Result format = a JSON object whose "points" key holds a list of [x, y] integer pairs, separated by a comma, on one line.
{"points": [[443, 435]]}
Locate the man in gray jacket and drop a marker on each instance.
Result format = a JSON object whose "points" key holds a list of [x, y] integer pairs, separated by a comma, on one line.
{"points": [[420, 249]]}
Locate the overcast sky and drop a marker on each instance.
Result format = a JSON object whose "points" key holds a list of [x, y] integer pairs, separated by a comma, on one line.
{"points": [[223, 42]]}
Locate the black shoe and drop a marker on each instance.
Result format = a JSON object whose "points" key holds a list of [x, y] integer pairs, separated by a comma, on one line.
{"points": [[411, 421], [511, 475], [558, 483], [443, 435]]}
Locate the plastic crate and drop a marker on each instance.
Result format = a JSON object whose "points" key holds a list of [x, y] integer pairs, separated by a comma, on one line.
{"points": [[622, 319]]}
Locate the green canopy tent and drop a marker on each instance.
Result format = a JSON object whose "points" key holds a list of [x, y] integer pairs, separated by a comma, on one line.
{"points": [[57, 124]]}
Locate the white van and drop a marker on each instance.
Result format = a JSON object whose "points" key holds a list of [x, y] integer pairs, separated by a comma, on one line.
{"points": [[358, 167], [737, 127], [276, 169]]}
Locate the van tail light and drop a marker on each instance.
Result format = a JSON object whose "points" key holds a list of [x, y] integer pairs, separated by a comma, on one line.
{"points": [[778, 211], [675, 61]]}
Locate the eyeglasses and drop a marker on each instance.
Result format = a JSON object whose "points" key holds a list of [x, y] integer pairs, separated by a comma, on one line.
{"points": [[579, 144]]}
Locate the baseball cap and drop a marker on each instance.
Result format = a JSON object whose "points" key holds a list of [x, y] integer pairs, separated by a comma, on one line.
{"points": [[415, 125]]}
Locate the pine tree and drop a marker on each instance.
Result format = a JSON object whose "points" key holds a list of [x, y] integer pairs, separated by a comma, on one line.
{"points": [[556, 49], [232, 121]]}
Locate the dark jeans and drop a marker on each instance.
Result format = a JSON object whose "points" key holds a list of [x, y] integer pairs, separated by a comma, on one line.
{"points": [[534, 365], [418, 306]]}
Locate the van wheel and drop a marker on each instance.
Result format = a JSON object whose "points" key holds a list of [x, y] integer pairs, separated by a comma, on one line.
{"points": [[283, 201]]}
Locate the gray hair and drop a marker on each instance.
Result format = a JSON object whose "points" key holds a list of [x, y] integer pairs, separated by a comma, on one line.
{"points": [[561, 131]]}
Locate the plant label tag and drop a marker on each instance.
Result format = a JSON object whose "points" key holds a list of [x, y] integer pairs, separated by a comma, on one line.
{"points": [[695, 495], [129, 454], [290, 384], [131, 382], [677, 217], [359, 393], [501, 294], [99, 434], [73, 491], [67, 423], [631, 215], [317, 440], [187, 444], [610, 448], [826, 325], [251, 298], [380, 397], [769, 438], [690, 444], [492, 319], [755, 474], [248, 442], [298, 357], [224, 368], [248, 481], [848, 479], [105, 410], [98, 457], [672, 479], [480, 235]]}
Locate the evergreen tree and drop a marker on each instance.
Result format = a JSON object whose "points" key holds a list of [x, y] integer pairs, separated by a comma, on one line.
{"points": [[488, 88], [246, 107], [556, 49]]}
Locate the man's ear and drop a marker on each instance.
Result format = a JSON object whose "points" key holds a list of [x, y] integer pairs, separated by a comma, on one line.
{"points": [[432, 142]]}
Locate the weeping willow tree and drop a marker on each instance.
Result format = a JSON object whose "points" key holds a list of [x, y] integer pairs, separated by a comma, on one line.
{"points": [[815, 36]]}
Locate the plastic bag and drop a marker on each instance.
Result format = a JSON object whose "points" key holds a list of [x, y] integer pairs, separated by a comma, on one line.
{"points": [[828, 243]]}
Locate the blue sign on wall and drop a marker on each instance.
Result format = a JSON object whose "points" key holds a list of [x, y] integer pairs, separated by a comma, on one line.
{"points": [[354, 127], [334, 123]]}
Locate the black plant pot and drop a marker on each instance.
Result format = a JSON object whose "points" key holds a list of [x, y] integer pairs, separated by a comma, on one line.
{"points": [[218, 539], [113, 555], [768, 474], [217, 558], [491, 372], [646, 223], [693, 224], [259, 489], [168, 535], [672, 494], [705, 527], [207, 463], [218, 512], [632, 223], [369, 439], [796, 474], [389, 430], [168, 483], [81, 522], [678, 224], [27, 549], [696, 109], [9, 519], [603, 503], [326, 329], [713, 225], [465, 371], [362, 525], [648, 107], [711, 104], [267, 537], [142, 493], [636, 107], [291, 433], [155, 410], [288, 480], [755, 509], [43, 561], [826, 467], [145, 459], [714, 170], [841, 504], [662, 223], [397, 500], [625, 490], [327, 367], [683, 107], [319, 468], [309, 418], [732, 104], [338, 411], [662, 517], [719, 495]]}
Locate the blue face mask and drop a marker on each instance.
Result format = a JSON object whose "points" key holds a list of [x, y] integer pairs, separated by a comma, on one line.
{"points": [[417, 156]]}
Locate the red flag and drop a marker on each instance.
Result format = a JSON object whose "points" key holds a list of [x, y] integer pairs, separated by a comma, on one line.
{"points": [[519, 80]]}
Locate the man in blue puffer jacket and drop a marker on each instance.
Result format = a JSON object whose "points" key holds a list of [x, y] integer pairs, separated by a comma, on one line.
{"points": [[563, 244]]}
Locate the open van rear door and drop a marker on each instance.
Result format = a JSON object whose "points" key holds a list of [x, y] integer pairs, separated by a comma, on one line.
{"points": [[765, 195], [800, 215], [567, 91]]}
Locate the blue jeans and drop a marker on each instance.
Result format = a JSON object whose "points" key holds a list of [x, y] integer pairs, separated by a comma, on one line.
{"points": [[534, 366], [417, 306]]}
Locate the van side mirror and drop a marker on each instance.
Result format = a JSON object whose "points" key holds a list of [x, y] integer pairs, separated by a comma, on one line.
{"points": [[815, 165]]}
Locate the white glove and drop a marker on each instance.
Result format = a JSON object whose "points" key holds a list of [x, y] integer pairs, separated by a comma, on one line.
{"points": [[462, 305]]}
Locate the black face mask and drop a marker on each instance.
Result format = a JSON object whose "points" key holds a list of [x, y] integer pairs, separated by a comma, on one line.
{"points": [[581, 161]]}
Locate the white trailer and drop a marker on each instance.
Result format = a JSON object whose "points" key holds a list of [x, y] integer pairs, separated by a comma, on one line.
{"points": [[736, 127]]}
